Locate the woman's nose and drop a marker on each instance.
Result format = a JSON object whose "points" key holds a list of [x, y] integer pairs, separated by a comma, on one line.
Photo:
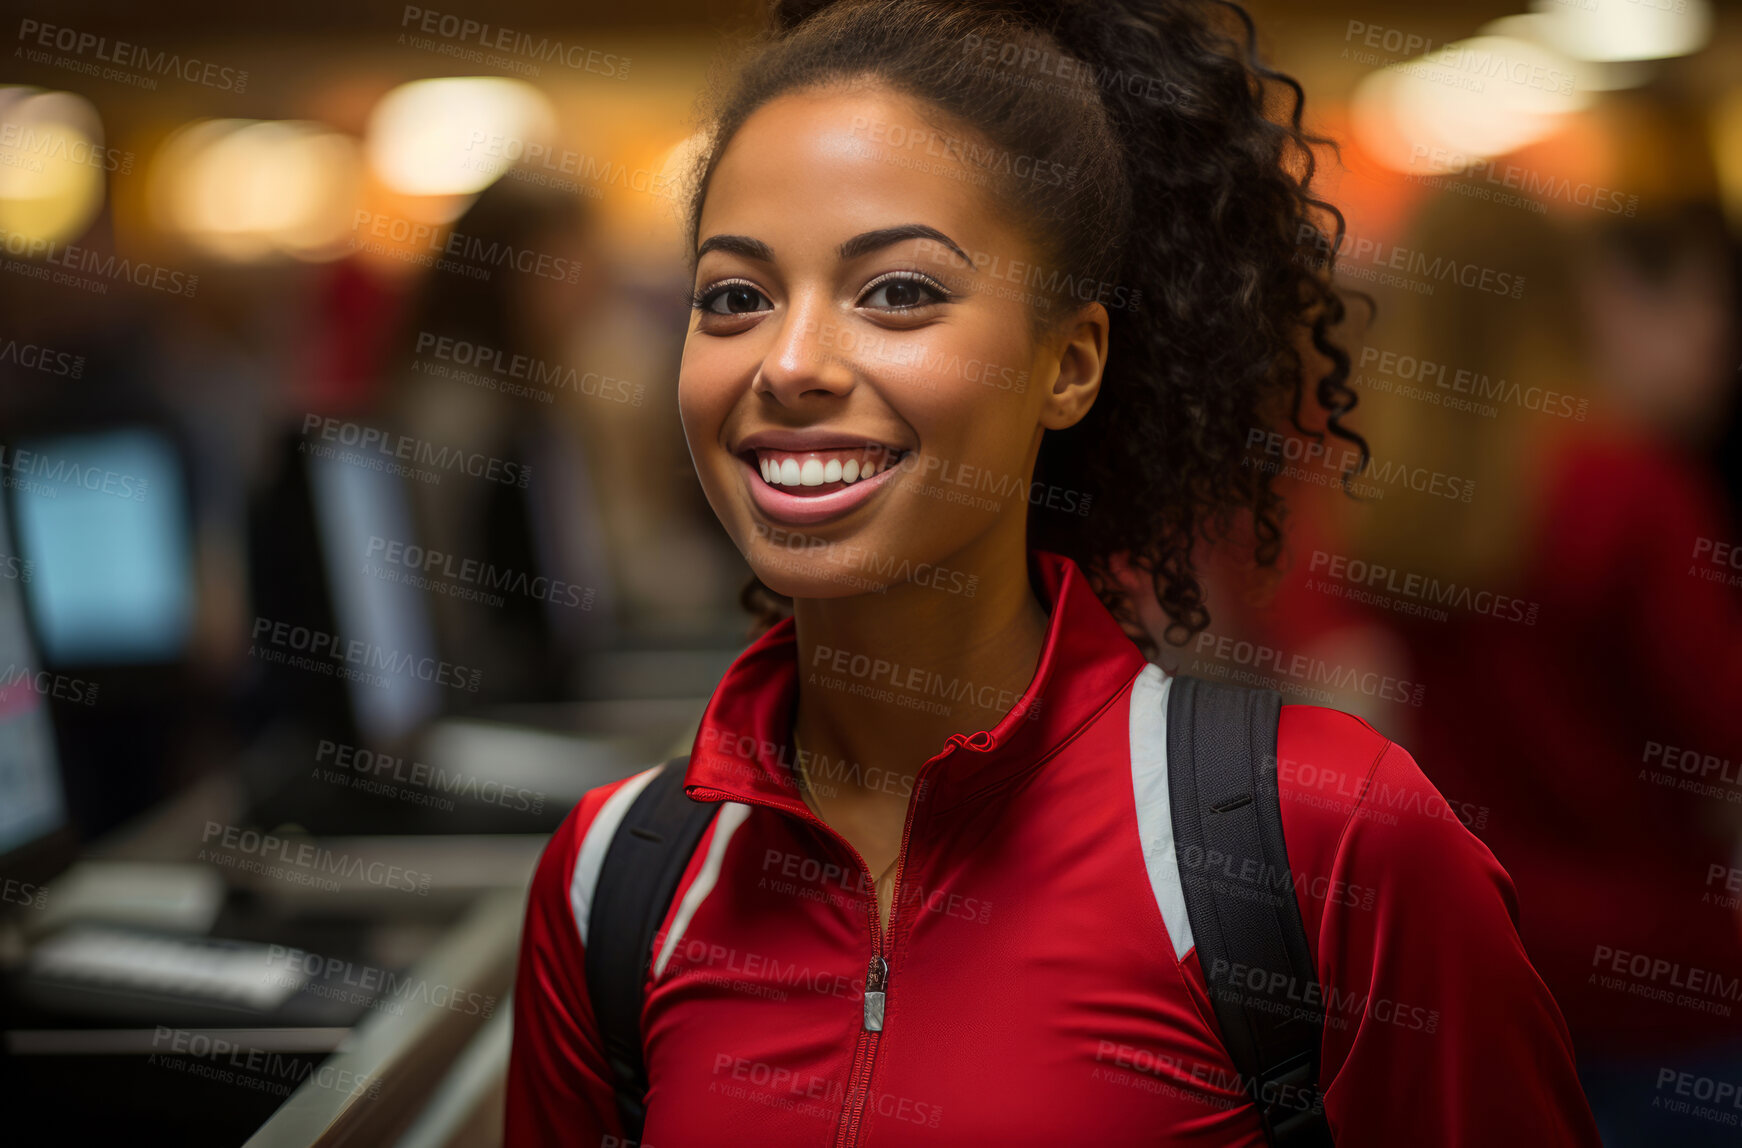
{"points": [[811, 352]]}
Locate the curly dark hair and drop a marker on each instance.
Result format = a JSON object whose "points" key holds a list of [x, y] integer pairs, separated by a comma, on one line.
{"points": [[1188, 209]]}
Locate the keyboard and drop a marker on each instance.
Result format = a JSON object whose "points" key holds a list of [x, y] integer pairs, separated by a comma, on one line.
{"points": [[202, 969]]}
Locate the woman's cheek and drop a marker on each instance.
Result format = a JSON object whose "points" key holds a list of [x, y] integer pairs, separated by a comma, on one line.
{"points": [[704, 389]]}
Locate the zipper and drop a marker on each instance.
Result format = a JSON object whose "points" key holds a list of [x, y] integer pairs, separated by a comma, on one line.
{"points": [[877, 968], [876, 981], [877, 976]]}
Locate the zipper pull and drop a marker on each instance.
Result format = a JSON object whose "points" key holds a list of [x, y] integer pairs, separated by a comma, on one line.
{"points": [[876, 980]]}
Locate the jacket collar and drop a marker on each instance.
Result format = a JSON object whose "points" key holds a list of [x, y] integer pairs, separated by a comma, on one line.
{"points": [[742, 752]]}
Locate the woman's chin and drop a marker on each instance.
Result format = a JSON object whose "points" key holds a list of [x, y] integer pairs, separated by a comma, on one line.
{"points": [[815, 577], [835, 569]]}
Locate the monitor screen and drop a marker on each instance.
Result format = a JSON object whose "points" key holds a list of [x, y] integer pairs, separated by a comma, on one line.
{"points": [[31, 802], [355, 505], [103, 519]]}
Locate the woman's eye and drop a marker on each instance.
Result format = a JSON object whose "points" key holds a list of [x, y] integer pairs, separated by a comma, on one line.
{"points": [[735, 299], [902, 293]]}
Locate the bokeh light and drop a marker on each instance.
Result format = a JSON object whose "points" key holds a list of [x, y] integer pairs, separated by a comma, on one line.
{"points": [[456, 134], [249, 189], [52, 165], [1465, 102]]}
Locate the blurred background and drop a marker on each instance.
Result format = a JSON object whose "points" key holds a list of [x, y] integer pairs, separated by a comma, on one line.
{"points": [[348, 534]]}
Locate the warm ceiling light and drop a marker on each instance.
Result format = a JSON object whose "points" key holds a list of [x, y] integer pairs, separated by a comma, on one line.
{"points": [[52, 162], [1634, 30], [448, 136], [1588, 75], [1465, 102], [249, 189]]}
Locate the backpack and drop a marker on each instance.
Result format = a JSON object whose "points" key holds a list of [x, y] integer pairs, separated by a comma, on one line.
{"points": [[1246, 922]]}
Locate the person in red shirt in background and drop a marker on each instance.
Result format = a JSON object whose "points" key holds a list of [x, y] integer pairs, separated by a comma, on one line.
{"points": [[1574, 629]]}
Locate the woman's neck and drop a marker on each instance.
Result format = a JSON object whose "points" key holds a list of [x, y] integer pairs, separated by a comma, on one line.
{"points": [[885, 679]]}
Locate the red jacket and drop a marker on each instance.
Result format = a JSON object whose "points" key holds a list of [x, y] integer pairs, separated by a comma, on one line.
{"points": [[1041, 984]]}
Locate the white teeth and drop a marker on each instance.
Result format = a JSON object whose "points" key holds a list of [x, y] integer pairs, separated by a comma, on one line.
{"points": [[819, 472]]}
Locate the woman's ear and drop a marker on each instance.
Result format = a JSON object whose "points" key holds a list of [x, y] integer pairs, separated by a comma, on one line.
{"points": [[1081, 341]]}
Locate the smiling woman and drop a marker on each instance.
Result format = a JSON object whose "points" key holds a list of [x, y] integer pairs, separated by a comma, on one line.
{"points": [[1032, 164], [959, 267], [828, 335]]}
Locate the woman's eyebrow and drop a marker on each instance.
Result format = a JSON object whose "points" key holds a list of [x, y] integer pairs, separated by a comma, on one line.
{"points": [[853, 248], [872, 240], [737, 245]]}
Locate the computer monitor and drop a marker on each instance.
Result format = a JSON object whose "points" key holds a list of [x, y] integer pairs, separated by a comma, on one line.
{"points": [[103, 512], [33, 810], [103, 517], [317, 529], [357, 511]]}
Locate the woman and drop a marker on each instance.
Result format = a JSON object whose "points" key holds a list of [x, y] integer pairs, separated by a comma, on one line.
{"points": [[989, 300]]}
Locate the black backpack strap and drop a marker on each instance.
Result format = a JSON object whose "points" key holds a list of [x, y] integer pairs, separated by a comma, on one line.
{"points": [[1239, 894], [639, 876]]}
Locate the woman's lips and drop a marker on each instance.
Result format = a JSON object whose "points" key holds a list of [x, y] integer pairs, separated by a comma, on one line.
{"points": [[798, 504]]}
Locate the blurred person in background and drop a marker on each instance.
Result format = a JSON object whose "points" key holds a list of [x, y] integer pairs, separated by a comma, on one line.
{"points": [[1662, 309], [482, 356], [1561, 717], [1662, 290], [552, 371]]}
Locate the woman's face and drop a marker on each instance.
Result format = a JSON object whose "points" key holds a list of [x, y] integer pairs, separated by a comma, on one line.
{"points": [[862, 310]]}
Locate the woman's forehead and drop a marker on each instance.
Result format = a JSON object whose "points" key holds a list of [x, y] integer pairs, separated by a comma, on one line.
{"points": [[816, 168]]}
